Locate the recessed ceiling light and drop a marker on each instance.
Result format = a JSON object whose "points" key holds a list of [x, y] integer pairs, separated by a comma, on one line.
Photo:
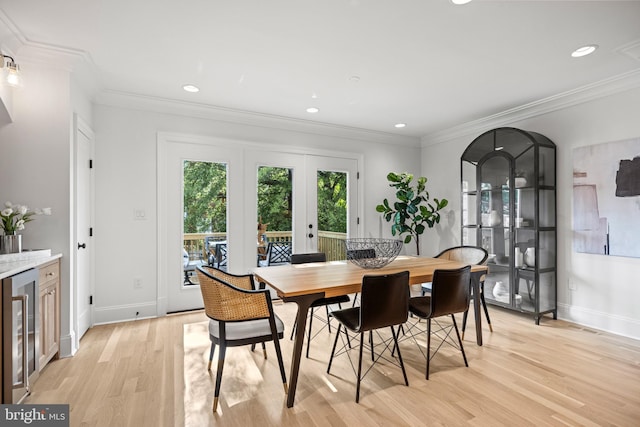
{"points": [[191, 88], [584, 50], [460, 1], [354, 79], [400, 125], [312, 110]]}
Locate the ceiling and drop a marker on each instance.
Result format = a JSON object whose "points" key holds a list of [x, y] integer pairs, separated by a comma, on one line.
{"points": [[365, 64]]}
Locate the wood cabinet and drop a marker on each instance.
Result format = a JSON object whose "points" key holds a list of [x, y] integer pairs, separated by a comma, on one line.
{"points": [[49, 282], [509, 208]]}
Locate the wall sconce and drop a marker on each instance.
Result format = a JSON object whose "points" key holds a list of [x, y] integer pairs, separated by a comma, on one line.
{"points": [[12, 76]]}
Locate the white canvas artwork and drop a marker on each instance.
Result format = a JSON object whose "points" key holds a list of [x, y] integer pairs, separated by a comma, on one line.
{"points": [[606, 198]]}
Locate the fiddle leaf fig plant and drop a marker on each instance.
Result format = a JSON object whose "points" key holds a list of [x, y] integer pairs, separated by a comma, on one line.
{"points": [[414, 211]]}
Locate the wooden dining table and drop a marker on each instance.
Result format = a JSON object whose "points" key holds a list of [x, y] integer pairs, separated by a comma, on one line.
{"points": [[306, 283]]}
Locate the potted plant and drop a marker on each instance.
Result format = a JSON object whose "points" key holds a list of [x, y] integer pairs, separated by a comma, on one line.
{"points": [[413, 212]]}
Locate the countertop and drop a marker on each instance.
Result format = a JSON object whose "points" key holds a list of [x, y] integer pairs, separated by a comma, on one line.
{"points": [[8, 269]]}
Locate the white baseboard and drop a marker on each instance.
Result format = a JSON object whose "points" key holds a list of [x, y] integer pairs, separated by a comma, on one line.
{"points": [[123, 313], [68, 345], [619, 325]]}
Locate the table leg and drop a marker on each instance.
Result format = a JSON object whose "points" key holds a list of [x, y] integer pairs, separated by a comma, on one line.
{"points": [[304, 303], [475, 282]]}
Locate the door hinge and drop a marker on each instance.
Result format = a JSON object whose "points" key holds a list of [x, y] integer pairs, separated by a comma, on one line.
{"points": [[90, 231], [90, 299], [90, 163], [358, 221], [358, 175]]}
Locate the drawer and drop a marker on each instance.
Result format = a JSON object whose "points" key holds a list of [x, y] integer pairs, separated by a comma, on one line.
{"points": [[49, 273]]}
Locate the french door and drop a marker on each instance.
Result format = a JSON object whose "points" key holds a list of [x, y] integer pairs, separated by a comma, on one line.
{"points": [[246, 170], [322, 204], [187, 221]]}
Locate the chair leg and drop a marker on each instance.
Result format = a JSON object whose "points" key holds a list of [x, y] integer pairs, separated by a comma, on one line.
{"points": [[335, 343], [295, 325], [395, 344], [213, 350], [360, 367], [464, 322], [373, 359], [326, 307], [455, 325], [223, 350], [264, 350], [486, 312], [276, 344], [428, 346], [309, 331]]}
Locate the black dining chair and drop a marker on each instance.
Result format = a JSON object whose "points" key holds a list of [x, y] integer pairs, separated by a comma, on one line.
{"points": [[473, 255], [449, 295], [384, 302], [322, 302], [238, 316], [277, 253]]}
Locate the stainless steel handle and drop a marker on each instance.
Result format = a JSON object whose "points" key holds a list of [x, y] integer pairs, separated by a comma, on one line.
{"points": [[24, 299]]}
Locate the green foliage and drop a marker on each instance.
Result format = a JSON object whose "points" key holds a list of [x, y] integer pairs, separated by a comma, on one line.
{"points": [[275, 192], [413, 212], [205, 197], [332, 201]]}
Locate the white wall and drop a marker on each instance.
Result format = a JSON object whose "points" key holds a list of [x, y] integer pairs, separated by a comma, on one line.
{"points": [[606, 295], [125, 173], [35, 167]]}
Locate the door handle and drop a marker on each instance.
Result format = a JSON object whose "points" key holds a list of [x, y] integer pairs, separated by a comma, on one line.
{"points": [[82, 246], [24, 301], [311, 235]]}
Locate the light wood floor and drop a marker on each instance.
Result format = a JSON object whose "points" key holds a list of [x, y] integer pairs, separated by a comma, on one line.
{"points": [[557, 373]]}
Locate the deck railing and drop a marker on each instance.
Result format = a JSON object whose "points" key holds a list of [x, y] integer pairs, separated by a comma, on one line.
{"points": [[328, 242]]}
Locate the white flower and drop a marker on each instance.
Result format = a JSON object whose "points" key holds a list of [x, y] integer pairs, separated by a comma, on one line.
{"points": [[46, 211], [20, 224], [7, 212], [8, 204], [23, 209]]}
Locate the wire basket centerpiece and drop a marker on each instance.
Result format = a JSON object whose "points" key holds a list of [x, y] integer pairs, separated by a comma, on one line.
{"points": [[372, 252]]}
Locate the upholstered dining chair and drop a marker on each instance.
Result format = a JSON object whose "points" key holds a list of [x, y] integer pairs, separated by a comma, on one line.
{"points": [[473, 255], [323, 302], [384, 302], [239, 315], [449, 295]]}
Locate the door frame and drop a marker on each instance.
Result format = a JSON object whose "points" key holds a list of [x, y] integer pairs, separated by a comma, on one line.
{"points": [[245, 204]]}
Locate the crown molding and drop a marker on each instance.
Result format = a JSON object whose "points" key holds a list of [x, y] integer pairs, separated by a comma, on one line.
{"points": [[580, 95], [202, 111]]}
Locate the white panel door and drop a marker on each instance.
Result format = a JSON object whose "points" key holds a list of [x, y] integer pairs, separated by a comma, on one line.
{"points": [[84, 248]]}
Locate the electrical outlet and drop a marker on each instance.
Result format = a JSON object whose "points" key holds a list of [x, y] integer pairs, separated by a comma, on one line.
{"points": [[137, 283]]}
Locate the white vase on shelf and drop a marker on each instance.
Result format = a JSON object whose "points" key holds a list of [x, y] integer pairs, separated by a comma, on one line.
{"points": [[530, 257], [494, 218]]}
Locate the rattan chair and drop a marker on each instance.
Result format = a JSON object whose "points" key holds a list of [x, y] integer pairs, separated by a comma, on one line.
{"points": [[239, 315], [384, 302], [449, 294], [323, 302], [472, 255]]}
